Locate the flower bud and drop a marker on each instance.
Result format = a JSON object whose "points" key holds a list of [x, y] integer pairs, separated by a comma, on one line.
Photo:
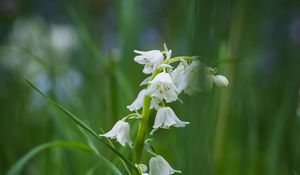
{"points": [[221, 81]]}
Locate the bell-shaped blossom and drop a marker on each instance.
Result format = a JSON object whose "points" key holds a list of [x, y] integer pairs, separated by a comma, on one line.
{"points": [[162, 87], [165, 118], [121, 132], [139, 102], [151, 59], [159, 166], [221, 81]]}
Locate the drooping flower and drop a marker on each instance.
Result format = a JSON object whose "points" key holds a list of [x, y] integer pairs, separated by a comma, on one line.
{"points": [[165, 118], [159, 166], [221, 81], [139, 102], [162, 87], [121, 132], [151, 59]]}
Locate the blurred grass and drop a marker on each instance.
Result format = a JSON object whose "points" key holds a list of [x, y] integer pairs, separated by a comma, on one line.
{"points": [[252, 127]]}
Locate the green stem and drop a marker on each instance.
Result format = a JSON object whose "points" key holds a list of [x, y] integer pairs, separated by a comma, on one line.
{"points": [[176, 59], [139, 145], [130, 115]]}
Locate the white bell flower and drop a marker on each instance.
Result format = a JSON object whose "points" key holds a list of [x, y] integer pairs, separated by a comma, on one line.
{"points": [[162, 87], [121, 132], [151, 59], [165, 118], [139, 102], [159, 166], [221, 81]]}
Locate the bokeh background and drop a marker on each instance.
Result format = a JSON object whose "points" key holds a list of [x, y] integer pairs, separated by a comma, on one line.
{"points": [[80, 53]]}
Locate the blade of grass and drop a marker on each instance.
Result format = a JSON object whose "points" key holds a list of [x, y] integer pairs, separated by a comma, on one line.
{"points": [[83, 125], [17, 168]]}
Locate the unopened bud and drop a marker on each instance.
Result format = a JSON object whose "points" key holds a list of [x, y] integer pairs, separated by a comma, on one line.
{"points": [[221, 81]]}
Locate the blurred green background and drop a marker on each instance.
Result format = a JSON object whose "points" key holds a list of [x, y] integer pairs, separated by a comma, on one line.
{"points": [[81, 54]]}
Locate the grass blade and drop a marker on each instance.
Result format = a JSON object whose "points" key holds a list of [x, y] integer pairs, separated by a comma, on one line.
{"points": [[83, 125], [17, 168]]}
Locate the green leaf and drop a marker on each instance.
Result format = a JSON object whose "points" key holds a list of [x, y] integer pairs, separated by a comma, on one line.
{"points": [[17, 168], [84, 126]]}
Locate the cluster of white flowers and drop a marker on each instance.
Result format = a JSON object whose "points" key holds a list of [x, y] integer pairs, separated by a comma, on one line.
{"points": [[164, 86]]}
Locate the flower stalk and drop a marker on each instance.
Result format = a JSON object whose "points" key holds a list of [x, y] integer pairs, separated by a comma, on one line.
{"points": [[143, 126], [180, 58]]}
